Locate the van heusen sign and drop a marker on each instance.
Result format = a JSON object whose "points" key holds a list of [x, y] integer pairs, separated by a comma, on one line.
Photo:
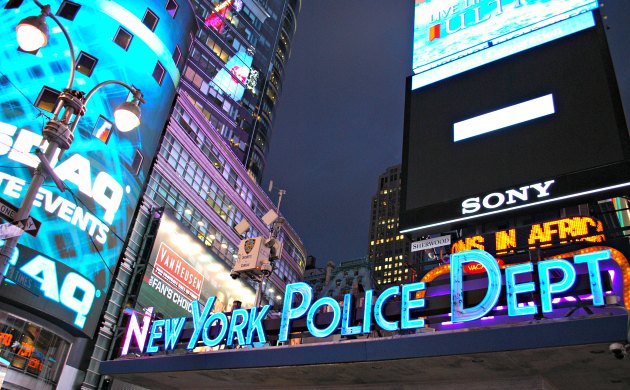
{"points": [[551, 278]]}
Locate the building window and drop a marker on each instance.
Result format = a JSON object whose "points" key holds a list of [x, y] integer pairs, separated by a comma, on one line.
{"points": [[150, 19], [68, 10], [102, 129], [177, 55], [123, 38], [158, 73], [47, 99], [171, 7], [86, 63]]}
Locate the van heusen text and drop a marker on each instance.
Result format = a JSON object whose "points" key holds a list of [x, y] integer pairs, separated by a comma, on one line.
{"points": [[243, 325]]}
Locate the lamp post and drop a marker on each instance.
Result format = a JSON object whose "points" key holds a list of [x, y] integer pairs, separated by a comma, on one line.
{"points": [[58, 132]]}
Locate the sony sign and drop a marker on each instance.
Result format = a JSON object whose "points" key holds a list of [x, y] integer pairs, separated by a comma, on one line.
{"points": [[496, 200]]}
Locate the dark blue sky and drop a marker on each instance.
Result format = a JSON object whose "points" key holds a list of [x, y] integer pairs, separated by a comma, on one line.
{"points": [[339, 121]]}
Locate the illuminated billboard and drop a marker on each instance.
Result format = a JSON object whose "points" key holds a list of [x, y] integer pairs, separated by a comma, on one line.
{"points": [[65, 271], [453, 36], [182, 270], [233, 77], [542, 128]]}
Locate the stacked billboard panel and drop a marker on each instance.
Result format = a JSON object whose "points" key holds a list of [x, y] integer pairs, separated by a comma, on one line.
{"points": [[537, 121]]}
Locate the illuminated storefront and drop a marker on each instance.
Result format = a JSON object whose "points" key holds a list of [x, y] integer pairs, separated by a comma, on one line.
{"points": [[31, 350]]}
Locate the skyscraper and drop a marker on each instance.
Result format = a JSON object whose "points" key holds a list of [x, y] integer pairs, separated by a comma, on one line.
{"points": [[203, 181], [389, 252], [235, 72]]}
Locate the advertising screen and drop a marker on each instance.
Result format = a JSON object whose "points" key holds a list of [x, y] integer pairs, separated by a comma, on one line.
{"points": [[452, 36], [540, 127], [181, 269], [82, 229]]}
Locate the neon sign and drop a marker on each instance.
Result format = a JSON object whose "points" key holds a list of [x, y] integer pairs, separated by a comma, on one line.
{"points": [[539, 235], [242, 326]]}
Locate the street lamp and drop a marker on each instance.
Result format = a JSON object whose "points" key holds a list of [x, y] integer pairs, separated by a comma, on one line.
{"points": [[32, 34]]}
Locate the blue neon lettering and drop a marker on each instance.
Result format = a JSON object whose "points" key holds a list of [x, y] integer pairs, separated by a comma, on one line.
{"points": [[156, 333], [288, 311], [410, 304], [592, 260], [236, 326], [458, 312], [255, 324], [367, 311], [199, 319], [547, 288], [380, 304], [312, 312], [513, 289], [207, 339], [172, 332], [346, 317]]}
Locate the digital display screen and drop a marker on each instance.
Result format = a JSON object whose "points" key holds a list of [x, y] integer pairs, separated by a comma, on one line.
{"points": [[537, 127], [452, 36], [83, 229], [181, 269]]}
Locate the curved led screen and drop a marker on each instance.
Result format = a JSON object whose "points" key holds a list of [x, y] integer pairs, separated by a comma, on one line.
{"points": [[65, 271], [452, 36]]}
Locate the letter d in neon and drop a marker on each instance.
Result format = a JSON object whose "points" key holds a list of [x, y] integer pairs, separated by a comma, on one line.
{"points": [[458, 312]]}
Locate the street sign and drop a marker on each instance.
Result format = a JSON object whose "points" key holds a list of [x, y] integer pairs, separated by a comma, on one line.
{"points": [[430, 243], [30, 225], [8, 230]]}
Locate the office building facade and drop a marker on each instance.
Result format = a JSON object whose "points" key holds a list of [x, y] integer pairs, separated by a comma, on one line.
{"points": [[200, 188], [235, 72], [389, 252]]}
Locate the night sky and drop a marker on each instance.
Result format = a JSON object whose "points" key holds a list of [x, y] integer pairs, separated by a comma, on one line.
{"points": [[339, 121]]}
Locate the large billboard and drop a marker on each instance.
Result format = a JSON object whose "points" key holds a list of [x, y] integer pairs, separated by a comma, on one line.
{"points": [[452, 36], [541, 127], [182, 270], [65, 271]]}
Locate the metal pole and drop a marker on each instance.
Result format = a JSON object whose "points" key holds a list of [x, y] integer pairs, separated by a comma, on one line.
{"points": [[25, 209], [259, 290]]}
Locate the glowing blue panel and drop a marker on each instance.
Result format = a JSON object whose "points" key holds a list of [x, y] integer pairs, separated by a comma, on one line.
{"points": [[209, 341], [199, 319], [288, 311], [255, 324], [238, 322], [513, 289], [504, 117], [592, 260], [173, 332], [458, 312], [367, 311], [312, 312], [452, 36], [156, 333], [380, 305], [410, 304], [346, 329], [547, 288]]}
